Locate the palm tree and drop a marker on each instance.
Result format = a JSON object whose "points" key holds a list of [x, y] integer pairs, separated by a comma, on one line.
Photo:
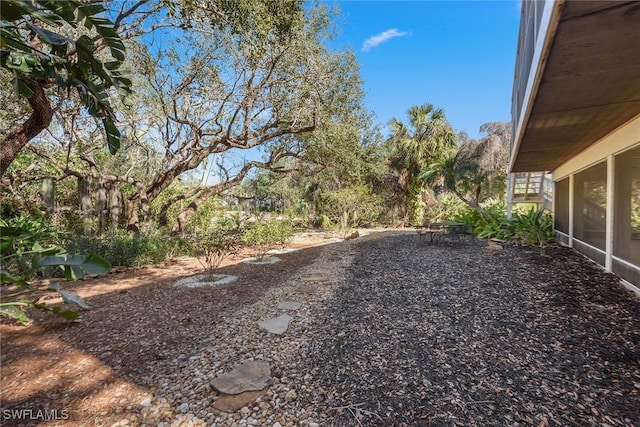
{"points": [[414, 147], [459, 174]]}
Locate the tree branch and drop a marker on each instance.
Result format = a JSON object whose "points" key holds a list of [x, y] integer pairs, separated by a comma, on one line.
{"points": [[20, 136]]}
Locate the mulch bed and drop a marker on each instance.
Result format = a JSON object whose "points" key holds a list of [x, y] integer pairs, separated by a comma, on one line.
{"points": [[466, 335], [402, 333]]}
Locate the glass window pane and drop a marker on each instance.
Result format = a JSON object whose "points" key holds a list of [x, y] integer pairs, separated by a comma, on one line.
{"points": [[590, 205]]}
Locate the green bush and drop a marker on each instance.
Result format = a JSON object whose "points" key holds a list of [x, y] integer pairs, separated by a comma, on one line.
{"points": [[18, 254], [349, 207], [22, 255], [207, 217], [449, 208], [535, 227], [494, 226], [218, 242], [325, 223], [265, 235], [121, 249]]}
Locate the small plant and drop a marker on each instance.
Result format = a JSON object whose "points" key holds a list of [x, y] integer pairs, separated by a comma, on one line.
{"points": [[31, 230], [535, 227], [324, 222], [496, 226], [24, 255], [224, 240]]}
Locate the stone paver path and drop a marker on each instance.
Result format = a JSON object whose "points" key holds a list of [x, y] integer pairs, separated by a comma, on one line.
{"points": [[277, 325]]}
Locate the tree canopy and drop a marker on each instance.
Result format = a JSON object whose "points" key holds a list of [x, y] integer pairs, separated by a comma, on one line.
{"points": [[414, 146], [198, 96], [54, 43]]}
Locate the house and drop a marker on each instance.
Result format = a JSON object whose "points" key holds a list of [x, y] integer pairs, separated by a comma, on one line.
{"points": [[576, 119]]}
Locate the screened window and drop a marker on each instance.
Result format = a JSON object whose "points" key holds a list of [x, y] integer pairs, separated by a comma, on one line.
{"points": [[626, 222], [561, 206], [590, 205]]}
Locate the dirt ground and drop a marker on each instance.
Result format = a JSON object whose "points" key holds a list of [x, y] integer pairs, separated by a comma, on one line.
{"points": [[92, 371], [406, 333]]}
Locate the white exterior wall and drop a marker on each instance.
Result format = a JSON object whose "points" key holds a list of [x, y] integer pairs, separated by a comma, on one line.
{"points": [[618, 141]]}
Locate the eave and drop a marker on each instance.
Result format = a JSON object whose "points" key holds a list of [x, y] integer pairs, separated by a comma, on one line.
{"points": [[584, 83]]}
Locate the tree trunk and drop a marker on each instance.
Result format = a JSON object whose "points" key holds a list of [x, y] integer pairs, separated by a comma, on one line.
{"points": [[183, 217], [49, 194], [101, 205], [84, 203], [115, 206], [206, 194], [163, 216], [146, 213], [344, 221], [133, 219], [22, 134], [475, 206]]}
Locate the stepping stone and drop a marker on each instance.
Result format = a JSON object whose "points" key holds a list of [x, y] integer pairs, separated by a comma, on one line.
{"points": [[277, 325], [261, 261], [200, 280], [280, 251], [314, 278], [306, 289], [249, 376], [289, 305], [233, 402]]}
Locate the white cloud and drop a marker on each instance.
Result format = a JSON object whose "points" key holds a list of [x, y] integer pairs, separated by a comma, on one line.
{"points": [[378, 39]]}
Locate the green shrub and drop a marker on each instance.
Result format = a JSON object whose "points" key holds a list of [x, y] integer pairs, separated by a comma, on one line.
{"points": [[21, 245], [207, 217], [449, 209], [265, 235], [18, 254], [535, 227], [219, 241], [349, 207], [494, 226], [325, 222], [121, 249]]}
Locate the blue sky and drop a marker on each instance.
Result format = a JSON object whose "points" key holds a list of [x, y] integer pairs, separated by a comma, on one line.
{"points": [[457, 55]]}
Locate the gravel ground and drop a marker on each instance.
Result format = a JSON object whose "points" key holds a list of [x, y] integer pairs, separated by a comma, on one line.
{"points": [[392, 331]]}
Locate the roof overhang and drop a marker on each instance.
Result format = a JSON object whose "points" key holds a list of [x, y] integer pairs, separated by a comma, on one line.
{"points": [[584, 84]]}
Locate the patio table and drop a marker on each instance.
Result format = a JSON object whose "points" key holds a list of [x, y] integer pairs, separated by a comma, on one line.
{"points": [[445, 230]]}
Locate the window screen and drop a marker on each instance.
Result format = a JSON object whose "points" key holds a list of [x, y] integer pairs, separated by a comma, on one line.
{"points": [[561, 206], [590, 205], [626, 221]]}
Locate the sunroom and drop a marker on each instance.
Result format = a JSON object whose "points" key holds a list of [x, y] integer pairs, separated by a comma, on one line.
{"points": [[576, 117]]}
